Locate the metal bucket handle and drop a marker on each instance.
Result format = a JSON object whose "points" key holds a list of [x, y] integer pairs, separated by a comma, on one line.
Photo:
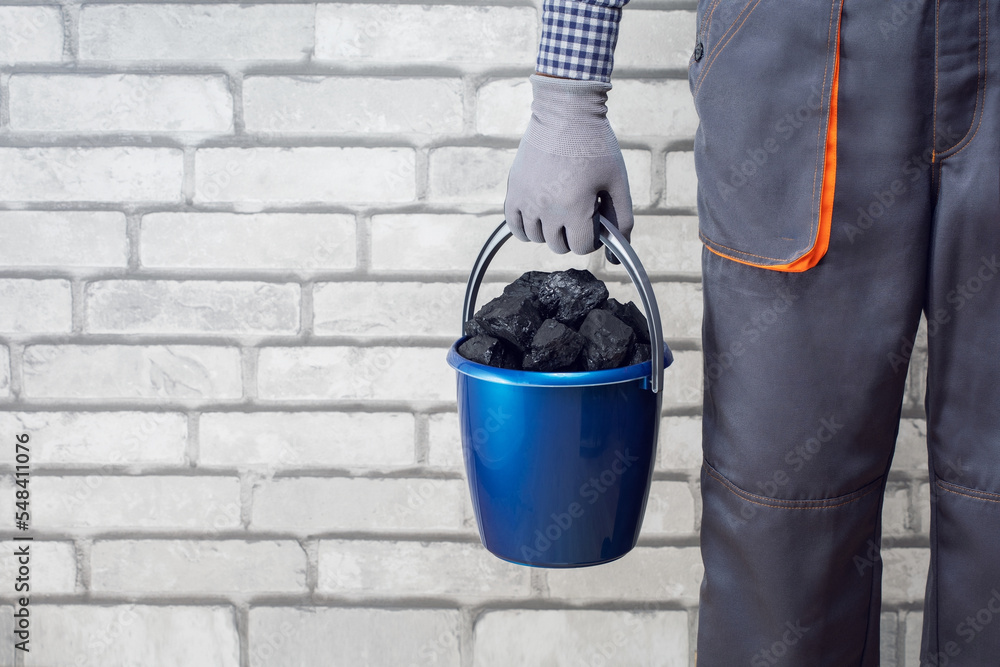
{"points": [[615, 241]]}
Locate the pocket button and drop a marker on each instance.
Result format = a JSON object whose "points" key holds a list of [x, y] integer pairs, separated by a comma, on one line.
{"points": [[699, 51]]}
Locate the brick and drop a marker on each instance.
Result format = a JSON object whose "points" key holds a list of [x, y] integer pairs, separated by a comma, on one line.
{"points": [[679, 443], [315, 504], [121, 635], [682, 180], [638, 165], [387, 373], [669, 510], [299, 439], [397, 568], [888, 637], [102, 501], [195, 32], [197, 566], [304, 174], [923, 508], [63, 238], [114, 173], [120, 103], [307, 104], [503, 107], [474, 174], [904, 575], [682, 380], [668, 243], [30, 34], [132, 371], [655, 40], [388, 309], [311, 241], [52, 567], [652, 108], [192, 306], [7, 628], [896, 512], [645, 573], [4, 370], [916, 379], [450, 242], [448, 33], [911, 446], [289, 637], [35, 306], [445, 442], [580, 637], [82, 438], [680, 306]]}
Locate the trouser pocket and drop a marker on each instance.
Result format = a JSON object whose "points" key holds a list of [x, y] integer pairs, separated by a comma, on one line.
{"points": [[764, 77]]}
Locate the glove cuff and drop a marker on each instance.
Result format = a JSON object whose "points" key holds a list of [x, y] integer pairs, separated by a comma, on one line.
{"points": [[569, 117]]}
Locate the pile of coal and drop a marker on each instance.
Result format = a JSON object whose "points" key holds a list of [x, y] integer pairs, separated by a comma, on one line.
{"points": [[562, 321]]}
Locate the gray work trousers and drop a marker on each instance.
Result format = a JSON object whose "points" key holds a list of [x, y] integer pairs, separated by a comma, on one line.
{"points": [[848, 162]]}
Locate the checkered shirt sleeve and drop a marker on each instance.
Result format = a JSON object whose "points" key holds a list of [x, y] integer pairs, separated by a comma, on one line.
{"points": [[578, 38]]}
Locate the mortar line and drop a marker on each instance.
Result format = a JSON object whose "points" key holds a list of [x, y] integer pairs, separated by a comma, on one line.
{"points": [[658, 174], [192, 448], [421, 438], [248, 367], [310, 546], [466, 638], [235, 80], [4, 102], [306, 309], [83, 547], [188, 177], [70, 12], [78, 305], [231, 405], [363, 246], [241, 612], [132, 237], [15, 354], [497, 277], [246, 498]]}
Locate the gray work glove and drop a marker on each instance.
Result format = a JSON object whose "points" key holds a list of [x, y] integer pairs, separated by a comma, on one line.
{"points": [[568, 157]]}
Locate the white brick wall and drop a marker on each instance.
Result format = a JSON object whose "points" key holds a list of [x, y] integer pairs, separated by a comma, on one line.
{"points": [[234, 240]]}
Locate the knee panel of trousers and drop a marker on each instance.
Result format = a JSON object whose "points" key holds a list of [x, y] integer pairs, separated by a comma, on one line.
{"points": [[777, 491]]}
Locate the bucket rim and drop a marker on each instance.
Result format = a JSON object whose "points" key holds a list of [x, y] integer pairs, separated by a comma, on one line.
{"points": [[543, 379]]}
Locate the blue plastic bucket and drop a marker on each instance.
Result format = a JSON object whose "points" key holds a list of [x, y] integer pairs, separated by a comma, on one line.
{"points": [[559, 464]]}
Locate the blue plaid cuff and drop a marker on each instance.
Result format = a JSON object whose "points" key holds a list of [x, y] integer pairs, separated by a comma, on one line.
{"points": [[579, 37]]}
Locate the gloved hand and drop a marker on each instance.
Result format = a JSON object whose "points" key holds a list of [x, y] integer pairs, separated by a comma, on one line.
{"points": [[568, 157]]}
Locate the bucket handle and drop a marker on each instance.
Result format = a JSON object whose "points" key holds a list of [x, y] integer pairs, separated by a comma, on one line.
{"points": [[620, 248]]}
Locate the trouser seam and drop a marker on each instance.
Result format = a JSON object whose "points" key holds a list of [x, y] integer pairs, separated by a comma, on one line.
{"points": [[792, 504], [975, 493]]}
